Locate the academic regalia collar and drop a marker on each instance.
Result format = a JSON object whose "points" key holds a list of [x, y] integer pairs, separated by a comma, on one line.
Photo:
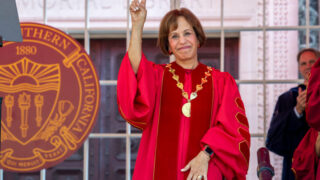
{"points": [[178, 68]]}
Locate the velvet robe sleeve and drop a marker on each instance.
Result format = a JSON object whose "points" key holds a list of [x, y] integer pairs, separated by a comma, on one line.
{"points": [[313, 97], [229, 137], [286, 129], [136, 92]]}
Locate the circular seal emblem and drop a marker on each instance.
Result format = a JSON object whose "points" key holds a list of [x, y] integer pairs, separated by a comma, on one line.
{"points": [[51, 95]]}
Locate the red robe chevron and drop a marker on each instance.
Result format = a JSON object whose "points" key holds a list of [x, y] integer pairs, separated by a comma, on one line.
{"points": [[151, 101]]}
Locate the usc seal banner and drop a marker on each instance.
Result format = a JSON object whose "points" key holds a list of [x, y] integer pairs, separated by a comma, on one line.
{"points": [[51, 96]]}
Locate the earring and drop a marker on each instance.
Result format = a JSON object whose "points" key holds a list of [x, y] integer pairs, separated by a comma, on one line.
{"points": [[169, 51]]}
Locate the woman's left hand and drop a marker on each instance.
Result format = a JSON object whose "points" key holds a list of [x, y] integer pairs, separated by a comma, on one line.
{"points": [[198, 167]]}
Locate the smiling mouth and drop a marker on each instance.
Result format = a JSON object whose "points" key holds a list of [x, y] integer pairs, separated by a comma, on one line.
{"points": [[185, 47]]}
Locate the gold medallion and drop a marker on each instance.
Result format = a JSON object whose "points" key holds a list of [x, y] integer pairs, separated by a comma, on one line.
{"points": [[186, 109]]}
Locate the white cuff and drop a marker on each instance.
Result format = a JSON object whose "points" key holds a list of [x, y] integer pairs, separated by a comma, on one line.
{"points": [[296, 112]]}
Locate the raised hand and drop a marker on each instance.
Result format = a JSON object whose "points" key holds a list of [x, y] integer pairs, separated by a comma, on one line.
{"points": [[301, 101], [138, 12], [138, 17]]}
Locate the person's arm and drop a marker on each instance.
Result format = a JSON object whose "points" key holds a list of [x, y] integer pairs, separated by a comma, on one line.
{"points": [[137, 78], [229, 137], [276, 134], [136, 92], [138, 17], [286, 128]]}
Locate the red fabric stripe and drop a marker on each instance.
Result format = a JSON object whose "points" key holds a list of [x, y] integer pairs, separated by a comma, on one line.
{"points": [[244, 149], [244, 133], [239, 103], [168, 129], [170, 123], [200, 121], [242, 119]]}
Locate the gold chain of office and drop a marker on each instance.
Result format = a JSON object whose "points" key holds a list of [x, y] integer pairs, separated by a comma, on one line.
{"points": [[186, 108]]}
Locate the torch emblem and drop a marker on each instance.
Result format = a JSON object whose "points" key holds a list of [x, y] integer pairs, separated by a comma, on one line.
{"points": [[51, 97], [25, 84]]}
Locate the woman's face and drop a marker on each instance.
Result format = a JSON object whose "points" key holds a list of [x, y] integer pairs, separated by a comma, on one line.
{"points": [[183, 42]]}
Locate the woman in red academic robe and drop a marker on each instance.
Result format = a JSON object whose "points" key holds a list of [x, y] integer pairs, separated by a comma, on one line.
{"points": [[192, 116]]}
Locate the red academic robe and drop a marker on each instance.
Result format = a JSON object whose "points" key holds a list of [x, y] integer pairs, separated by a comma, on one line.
{"points": [[151, 101], [313, 97], [305, 160], [305, 163]]}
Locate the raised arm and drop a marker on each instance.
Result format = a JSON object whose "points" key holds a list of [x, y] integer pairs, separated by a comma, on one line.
{"points": [[138, 17]]}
